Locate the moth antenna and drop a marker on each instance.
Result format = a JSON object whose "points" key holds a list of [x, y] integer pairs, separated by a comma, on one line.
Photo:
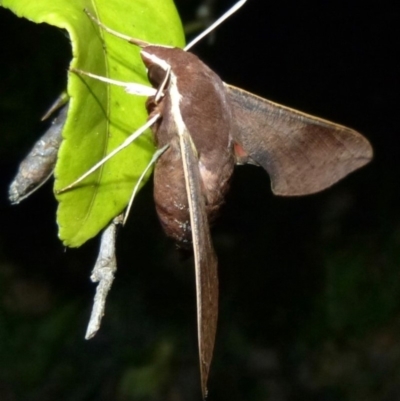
{"points": [[137, 42], [153, 160], [124, 144], [221, 19], [130, 87]]}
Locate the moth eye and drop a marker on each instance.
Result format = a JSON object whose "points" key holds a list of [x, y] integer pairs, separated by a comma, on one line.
{"points": [[156, 75]]}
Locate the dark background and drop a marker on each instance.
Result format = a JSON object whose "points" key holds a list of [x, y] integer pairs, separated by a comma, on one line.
{"points": [[309, 287]]}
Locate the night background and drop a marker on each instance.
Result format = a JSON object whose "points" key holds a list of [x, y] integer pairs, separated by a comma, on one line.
{"points": [[309, 287]]}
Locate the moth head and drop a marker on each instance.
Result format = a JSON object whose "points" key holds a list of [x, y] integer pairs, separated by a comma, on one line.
{"points": [[157, 67]]}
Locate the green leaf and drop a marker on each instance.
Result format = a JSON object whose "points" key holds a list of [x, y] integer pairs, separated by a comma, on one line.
{"points": [[101, 116]]}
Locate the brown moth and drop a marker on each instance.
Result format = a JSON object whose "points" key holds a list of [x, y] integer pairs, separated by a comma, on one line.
{"points": [[203, 127]]}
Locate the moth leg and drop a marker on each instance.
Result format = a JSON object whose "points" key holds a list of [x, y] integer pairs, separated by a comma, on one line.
{"points": [[137, 42], [153, 160], [124, 144], [130, 87]]}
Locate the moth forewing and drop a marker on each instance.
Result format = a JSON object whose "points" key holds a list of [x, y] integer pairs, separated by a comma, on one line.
{"points": [[302, 154], [204, 254], [205, 259]]}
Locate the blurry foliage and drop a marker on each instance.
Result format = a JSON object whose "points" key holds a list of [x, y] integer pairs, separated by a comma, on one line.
{"points": [[310, 286]]}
